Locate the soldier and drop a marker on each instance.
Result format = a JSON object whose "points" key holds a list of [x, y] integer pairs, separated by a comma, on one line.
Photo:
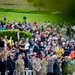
{"points": [[36, 66], [44, 65], [19, 66]]}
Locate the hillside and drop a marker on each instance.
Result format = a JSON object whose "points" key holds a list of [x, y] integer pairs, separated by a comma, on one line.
{"points": [[16, 4]]}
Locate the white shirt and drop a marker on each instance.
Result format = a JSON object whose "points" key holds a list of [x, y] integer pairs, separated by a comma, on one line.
{"points": [[27, 45]]}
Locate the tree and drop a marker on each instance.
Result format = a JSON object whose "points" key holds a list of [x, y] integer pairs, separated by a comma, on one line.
{"points": [[66, 6], [30, 1], [37, 3]]}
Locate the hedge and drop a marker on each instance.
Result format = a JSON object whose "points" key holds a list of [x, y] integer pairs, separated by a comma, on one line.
{"points": [[22, 11], [13, 33]]}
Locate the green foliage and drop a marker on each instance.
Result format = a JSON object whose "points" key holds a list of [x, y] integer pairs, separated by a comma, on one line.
{"points": [[16, 4], [15, 10], [37, 3], [25, 35], [30, 1], [66, 6], [70, 68], [23, 11], [57, 5], [13, 33]]}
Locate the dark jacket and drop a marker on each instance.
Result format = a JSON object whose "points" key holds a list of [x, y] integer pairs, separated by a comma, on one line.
{"points": [[25, 61], [56, 68], [64, 68], [2, 66], [2, 44], [16, 55], [30, 64], [11, 65], [36, 49]]}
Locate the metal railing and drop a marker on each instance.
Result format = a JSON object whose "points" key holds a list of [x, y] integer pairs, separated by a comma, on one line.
{"points": [[27, 72]]}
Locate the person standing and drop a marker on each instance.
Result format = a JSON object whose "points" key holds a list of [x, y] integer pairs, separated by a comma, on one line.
{"points": [[19, 66], [27, 45], [5, 41], [44, 65], [56, 67], [11, 65], [36, 66], [30, 60], [50, 65], [3, 65], [64, 65]]}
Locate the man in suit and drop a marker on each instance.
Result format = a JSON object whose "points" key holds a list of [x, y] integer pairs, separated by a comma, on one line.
{"points": [[2, 65]]}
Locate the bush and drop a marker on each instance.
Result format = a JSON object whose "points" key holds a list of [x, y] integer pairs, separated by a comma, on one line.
{"points": [[70, 68], [13, 33]]}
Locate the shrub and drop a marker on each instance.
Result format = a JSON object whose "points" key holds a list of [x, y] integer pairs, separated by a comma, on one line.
{"points": [[13, 33]]}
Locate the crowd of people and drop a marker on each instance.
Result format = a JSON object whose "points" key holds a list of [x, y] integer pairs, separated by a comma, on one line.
{"points": [[50, 51]]}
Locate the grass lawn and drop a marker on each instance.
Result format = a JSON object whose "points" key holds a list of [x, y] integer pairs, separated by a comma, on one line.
{"points": [[30, 17], [16, 9]]}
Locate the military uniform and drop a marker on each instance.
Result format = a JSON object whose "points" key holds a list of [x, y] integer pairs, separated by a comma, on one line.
{"points": [[36, 65], [19, 67], [44, 66]]}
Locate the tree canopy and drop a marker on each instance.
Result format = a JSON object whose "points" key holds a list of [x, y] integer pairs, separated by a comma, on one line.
{"points": [[53, 4], [67, 6]]}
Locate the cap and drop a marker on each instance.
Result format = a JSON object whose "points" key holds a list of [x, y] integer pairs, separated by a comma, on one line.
{"points": [[37, 56]]}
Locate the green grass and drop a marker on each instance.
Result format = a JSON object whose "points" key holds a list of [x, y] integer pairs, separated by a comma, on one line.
{"points": [[30, 17], [14, 10]]}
